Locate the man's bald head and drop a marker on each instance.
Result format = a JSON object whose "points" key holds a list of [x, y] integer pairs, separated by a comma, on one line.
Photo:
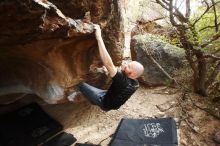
{"points": [[134, 69]]}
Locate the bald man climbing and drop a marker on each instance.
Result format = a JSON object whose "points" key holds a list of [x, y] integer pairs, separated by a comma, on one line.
{"points": [[123, 85]]}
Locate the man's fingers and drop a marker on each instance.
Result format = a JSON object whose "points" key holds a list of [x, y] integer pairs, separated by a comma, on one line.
{"points": [[96, 26], [97, 30]]}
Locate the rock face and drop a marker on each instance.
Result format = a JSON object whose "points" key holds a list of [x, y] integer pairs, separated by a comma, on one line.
{"points": [[168, 57], [47, 47], [217, 137]]}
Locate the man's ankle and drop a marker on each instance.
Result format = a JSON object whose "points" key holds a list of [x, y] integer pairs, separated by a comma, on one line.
{"points": [[71, 97]]}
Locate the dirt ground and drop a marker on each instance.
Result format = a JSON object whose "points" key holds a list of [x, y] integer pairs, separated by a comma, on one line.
{"points": [[89, 124]]}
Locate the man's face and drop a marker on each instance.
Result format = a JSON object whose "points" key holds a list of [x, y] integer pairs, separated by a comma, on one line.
{"points": [[132, 69], [127, 69]]}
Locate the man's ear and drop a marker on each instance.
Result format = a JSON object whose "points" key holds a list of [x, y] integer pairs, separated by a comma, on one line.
{"points": [[133, 75]]}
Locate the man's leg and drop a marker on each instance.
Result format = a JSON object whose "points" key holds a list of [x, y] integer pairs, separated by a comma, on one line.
{"points": [[93, 94]]}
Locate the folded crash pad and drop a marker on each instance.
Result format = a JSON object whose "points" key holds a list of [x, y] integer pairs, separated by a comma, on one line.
{"points": [[148, 132], [27, 126]]}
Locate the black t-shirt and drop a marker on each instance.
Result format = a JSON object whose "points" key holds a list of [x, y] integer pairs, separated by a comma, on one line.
{"points": [[120, 91]]}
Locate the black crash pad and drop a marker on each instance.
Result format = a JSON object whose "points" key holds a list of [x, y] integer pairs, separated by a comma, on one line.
{"points": [[85, 144], [148, 132], [62, 139], [27, 126]]}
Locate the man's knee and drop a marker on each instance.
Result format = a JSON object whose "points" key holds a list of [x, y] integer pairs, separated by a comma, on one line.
{"points": [[81, 84]]}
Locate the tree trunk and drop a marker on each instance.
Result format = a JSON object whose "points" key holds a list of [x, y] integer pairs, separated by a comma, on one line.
{"points": [[198, 66], [199, 84]]}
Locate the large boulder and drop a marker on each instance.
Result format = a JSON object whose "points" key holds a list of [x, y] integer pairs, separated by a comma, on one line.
{"points": [[48, 47], [145, 47]]}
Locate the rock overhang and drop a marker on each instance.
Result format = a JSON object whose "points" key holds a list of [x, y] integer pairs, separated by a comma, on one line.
{"points": [[47, 47]]}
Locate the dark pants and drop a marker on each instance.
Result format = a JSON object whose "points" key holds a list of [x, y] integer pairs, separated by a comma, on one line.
{"points": [[93, 94]]}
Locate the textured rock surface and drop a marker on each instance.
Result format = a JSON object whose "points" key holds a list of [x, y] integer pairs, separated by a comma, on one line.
{"points": [[168, 56], [217, 137], [47, 47]]}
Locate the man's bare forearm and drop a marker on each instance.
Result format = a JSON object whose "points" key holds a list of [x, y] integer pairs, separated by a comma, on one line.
{"points": [[105, 57]]}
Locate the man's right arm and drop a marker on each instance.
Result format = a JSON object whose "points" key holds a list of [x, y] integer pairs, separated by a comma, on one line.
{"points": [[105, 57]]}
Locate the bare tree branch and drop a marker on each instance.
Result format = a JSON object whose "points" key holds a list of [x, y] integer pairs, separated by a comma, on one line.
{"points": [[212, 56], [176, 13], [188, 10], [162, 5], [209, 27], [218, 50], [175, 4], [213, 75], [160, 67], [207, 9], [178, 2], [179, 15], [159, 18], [165, 2], [215, 14], [214, 38], [173, 22]]}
